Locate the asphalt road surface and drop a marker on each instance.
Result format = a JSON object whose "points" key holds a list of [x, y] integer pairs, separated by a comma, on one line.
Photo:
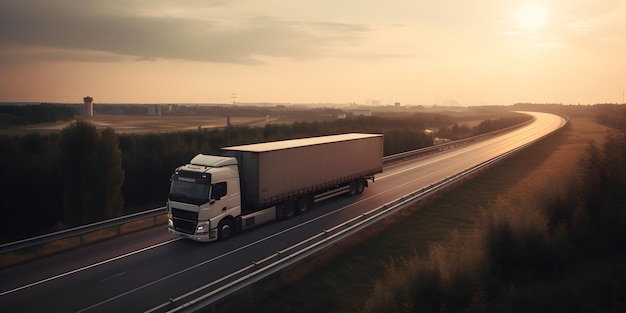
{"points": [[140, 271]]}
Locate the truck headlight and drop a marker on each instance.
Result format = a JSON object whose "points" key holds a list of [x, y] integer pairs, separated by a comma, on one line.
{"points": [[170, 222], [203, 228]]}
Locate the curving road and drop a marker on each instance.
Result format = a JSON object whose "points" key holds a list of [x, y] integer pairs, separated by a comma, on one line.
{"points": [[141, 271]]}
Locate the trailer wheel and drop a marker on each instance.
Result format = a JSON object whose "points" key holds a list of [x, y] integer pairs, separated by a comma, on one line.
{"points": [[360, 186], [357, 187], [225, 229], [304, 204], [289, 209], [352, 189]]}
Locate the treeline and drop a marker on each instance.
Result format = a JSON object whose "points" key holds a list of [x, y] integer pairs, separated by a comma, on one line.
{"points": [[456, 131], [611, 115], [562, 252], [60, 180], [11, 115]]}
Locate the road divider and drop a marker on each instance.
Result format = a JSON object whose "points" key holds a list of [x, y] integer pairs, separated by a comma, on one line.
{"points": [[23, 250]]}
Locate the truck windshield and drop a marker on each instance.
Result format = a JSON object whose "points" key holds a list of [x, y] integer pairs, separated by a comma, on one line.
{"points": [[187, 192]]}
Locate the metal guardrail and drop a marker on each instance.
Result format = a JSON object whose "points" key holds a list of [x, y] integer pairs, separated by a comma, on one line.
{"points": [[451, 144], [79, 231], [85, 229], [211, 293]]}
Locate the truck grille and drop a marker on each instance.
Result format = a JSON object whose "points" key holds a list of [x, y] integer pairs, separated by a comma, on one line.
{"points": [[185, 221], [186, 227]]}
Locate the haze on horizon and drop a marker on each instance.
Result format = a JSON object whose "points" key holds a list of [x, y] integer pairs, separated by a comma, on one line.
{"points": [[483, 52]]}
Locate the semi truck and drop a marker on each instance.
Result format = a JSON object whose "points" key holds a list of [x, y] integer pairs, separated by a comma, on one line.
{"points": [[214, 197]]}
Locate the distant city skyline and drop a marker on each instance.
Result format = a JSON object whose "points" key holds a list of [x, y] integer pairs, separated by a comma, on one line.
{"points": [[412, 52]]}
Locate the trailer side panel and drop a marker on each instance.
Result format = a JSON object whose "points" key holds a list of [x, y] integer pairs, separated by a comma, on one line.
{"points": [[272, 172]]}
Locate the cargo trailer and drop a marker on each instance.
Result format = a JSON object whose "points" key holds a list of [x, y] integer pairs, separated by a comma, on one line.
{"points": [[214, 197]]}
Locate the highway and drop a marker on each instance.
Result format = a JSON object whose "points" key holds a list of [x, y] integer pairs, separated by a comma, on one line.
{"points": [[140, 271]]}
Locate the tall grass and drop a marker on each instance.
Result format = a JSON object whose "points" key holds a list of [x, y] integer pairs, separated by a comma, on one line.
{"points": [[559, 248]]}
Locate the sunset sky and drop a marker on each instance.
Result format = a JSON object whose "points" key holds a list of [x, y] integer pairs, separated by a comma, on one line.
{"points": [[481, 52]]}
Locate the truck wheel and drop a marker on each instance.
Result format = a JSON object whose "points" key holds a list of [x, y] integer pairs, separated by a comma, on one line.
{"points": [[352, 188], [360, 186], [289, 209], [225, 229], [304, 204], [357, 187]]}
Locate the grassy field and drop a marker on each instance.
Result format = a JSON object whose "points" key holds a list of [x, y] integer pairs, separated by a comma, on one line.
{"points": [[146, 124], [160, 124], [345, 283]]}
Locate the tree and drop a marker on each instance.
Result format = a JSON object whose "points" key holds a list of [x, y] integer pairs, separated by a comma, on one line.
{"points": [[109, 167], [92, 174]]}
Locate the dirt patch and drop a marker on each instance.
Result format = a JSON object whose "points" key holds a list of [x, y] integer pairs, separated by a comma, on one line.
{"points": [[101, 235], [136, 225], [59, 245]]}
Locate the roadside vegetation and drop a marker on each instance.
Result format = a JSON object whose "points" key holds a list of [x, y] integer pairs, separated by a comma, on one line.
{"points": [[560, 248], [543, 231], [83, 174]]}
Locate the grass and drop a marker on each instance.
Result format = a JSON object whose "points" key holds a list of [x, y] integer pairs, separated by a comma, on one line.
{"points": [[346, 282], [142, 124], [139, 124]]}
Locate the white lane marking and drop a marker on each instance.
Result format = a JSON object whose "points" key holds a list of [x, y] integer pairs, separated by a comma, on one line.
{"points": [[439, 158], [111, 277], [176, 239], [87, 267], [221, 256]]}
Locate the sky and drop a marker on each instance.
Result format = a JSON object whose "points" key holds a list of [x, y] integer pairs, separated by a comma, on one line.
{"points": [[415, 52]]}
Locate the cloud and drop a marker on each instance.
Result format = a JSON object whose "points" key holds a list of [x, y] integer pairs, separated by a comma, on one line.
{"points": [[151, 30], [22, 55]]}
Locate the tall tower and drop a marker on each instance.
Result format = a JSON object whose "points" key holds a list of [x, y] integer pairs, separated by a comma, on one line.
{"points": [[88, 106]]}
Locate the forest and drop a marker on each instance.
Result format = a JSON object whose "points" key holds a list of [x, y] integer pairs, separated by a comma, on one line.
{"points": [[81, 175], [612, 115], [12, 115]]}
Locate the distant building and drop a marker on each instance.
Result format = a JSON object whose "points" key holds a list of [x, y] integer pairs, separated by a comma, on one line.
{"points": [[88, 106], [154, 110]]}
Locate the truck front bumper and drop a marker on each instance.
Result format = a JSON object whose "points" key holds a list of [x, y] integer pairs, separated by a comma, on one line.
{"points": [[202, 236], [210, 236]]}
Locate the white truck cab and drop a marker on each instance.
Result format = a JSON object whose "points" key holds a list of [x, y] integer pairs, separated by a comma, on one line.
{"points": [[202, 194]]}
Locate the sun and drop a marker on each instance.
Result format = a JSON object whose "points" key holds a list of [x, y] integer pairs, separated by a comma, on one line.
{"points": [[532, 16]]}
